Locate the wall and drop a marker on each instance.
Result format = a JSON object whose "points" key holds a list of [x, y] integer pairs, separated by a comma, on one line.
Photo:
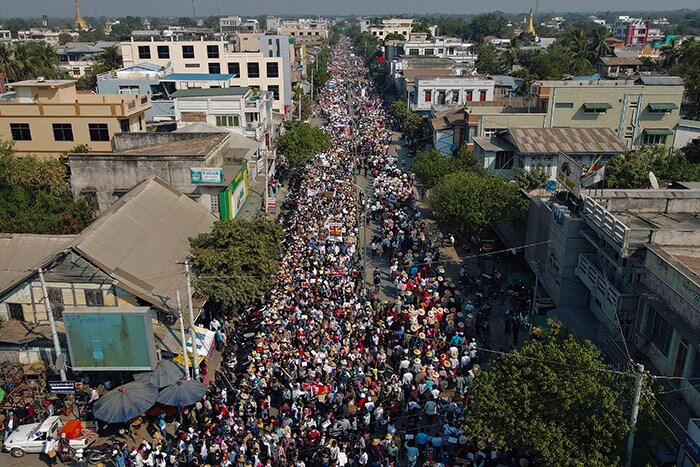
{"points": [[685, 133]]}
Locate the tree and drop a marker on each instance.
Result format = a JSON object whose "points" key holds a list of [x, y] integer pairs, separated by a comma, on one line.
{"points": [[554, 398], [431, 166], [489, 60], [467, 202], [35, 196], [489, 24], [300, 141], [9, 64], [688, 68], [510, 55], [236, 262], [598, 44], [691, 151], [110, 59], [64, 37], [532, 178], [631, 170], [394, 36]]}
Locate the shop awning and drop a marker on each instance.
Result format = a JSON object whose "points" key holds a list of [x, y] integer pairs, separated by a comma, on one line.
{"points": [[658, 131], [597, 106], [662, 107]]}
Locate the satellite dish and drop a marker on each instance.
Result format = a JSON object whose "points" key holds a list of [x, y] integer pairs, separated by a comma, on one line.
{"points": [[60, 361], [654, 182], [551, 186]]}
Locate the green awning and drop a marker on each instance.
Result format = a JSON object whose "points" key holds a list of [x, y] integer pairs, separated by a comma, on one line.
{"points": [[597, 106], [658, 131], [662, 107]]}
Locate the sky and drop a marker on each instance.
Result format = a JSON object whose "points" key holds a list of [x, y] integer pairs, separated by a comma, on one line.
{"points": [[164, 8]]}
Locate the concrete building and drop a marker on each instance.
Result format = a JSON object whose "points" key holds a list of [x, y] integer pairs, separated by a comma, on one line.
{"points": [[640, 112], [616, 67], [391, 26], [5, 35], [237, 109], [461, 52], [306, 31], [441, 93], [78, 59], [49, 117], [527, 148], [40, 35], [267, 69], [230, 24], [686, 131], [632, 31], [273, 24], [204, 166]]}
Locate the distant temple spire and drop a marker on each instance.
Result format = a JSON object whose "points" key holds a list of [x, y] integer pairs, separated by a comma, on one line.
{"points": [[79, 22], [530, 29]]}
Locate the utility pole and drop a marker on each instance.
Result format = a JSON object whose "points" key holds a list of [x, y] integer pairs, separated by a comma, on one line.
{"points": [[635, 411], [193, 333], [52, 322], [182, 336]]}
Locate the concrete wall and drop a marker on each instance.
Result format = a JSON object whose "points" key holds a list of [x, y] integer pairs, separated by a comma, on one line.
{"points": [[685, 133]]}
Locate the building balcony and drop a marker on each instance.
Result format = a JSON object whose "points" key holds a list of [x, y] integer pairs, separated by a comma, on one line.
{"points": [[606, 224], [85, 105]]}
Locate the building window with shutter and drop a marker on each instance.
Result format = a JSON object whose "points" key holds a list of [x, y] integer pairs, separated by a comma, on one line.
{"points": [[94, 297]]}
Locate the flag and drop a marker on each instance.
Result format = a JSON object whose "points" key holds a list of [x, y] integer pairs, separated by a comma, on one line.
{"points": [[597, 175]]}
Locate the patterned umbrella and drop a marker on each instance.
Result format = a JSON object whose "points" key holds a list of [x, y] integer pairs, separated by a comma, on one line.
{"points": [[182, 393], [165, 373], [125, 402]]}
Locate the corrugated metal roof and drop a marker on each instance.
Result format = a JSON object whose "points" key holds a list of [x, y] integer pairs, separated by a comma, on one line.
{"points": [[661, 80], [493, 144], [22, 253], [139, 239], [566, 140], [620, 61]]}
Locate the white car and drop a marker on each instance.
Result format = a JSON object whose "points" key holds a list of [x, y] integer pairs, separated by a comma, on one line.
{"points": [[32, 438]]}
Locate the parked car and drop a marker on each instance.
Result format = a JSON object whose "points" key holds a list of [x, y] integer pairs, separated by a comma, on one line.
{"points": [[32, 438]]}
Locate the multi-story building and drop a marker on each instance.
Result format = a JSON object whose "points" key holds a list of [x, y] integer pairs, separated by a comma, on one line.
{"points": [[40, 35], [441, 93], [49, 117], [273, 24], [230, 24], [78, 59], [632, 31], [463, 53], [5, 35], [391, 26], [267, 69], [238, 109], [306, 31], [641, 112]]}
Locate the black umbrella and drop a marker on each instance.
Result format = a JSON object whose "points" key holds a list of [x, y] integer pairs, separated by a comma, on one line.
{"points": [[166, 372], [182, 392], [125, 402]]}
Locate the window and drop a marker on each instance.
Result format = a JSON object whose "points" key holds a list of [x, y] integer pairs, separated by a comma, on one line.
{"points": [[56, 301], [191, 65], [654, 139], [212, 51], [504, 159], [144, 51], [273, 70], [98, 132], [16, 312], [163, 51], [187, 51], [441, 98], [234, 68], [659, 330], [429, 51], [94, 297], [62, 132], [127, 89], [412, 51], [215, 68], [564, 105], [124, 125], [20, 131], [482, 95], [600, 108], [428, 96], [254, 70], [275, 90], [227, 120], [251, 117], [490, 132], [214, 204], [470, 96], [119, 193]]}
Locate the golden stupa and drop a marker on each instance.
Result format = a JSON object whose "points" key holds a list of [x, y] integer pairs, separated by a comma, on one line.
{"points": [[79, 22], [530, 29]]}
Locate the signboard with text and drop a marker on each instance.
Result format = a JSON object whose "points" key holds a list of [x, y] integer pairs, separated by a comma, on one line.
{"points": [[206, 175], [62, 387], [569, 173]]}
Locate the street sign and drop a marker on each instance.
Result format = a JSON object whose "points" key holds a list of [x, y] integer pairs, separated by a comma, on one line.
{"points": [[62, 387]]}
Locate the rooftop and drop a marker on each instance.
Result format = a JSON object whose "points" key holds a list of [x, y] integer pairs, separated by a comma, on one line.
{"points": [[53, 83], [566, 140], [233, 91], [193, 147], [198, 77], [686, 259], [620, 61]]}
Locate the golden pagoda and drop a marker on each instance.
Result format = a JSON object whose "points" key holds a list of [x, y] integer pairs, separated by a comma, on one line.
{"points": [[530, 29], [79, 22]]}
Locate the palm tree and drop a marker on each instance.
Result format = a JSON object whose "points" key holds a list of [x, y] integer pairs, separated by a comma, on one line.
{"points": [[110, 59], [9, 63], [671, 53], [511, 54], [598, 43]]}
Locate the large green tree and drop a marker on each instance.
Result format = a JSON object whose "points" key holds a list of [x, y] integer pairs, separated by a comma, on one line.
{"points": [[431, 166], [35, 196], [468, 202], [489, 60], [488, 24], [236, 262], [688, 68], [631, 169], [301, 141], [554, 398]]}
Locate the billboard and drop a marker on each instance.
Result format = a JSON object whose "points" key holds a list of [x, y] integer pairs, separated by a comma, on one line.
{"points": [[207, 175], [109, 339], [569, 174]]}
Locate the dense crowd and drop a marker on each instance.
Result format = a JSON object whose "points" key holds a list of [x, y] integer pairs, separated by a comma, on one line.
{"points": [[336, 376]]}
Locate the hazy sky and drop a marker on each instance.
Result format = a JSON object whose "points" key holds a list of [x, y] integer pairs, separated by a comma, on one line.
{"points": [[64, 8]]}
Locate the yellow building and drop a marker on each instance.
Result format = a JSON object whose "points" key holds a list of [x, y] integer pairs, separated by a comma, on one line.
{"points": [[49, 117]]}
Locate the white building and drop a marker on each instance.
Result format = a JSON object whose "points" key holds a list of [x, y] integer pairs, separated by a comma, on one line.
{"points": [[5, 35], [268, 68], [443, 47], [40, 35], [230, 24], [306, 30], [273, 24], [391, 26], [240, 110], [442, 93]]}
